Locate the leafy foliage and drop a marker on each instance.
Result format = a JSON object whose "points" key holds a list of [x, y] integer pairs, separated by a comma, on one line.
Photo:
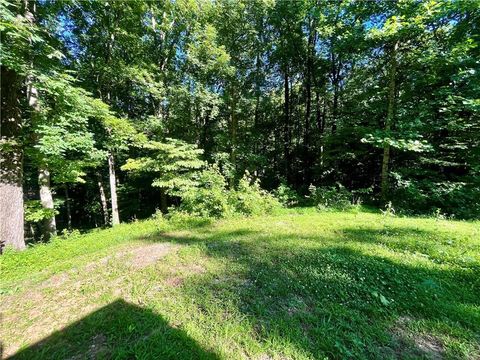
{"points": [[173, 160], [286, 195], [250, 199], [34, 212], [335, 197], [210, 197]]}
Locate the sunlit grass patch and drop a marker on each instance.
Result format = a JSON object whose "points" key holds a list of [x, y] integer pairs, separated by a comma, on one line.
{"points": [[301, 284]]}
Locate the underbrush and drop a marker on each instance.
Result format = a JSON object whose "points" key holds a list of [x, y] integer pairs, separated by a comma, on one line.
{"points": [[212, 198]]}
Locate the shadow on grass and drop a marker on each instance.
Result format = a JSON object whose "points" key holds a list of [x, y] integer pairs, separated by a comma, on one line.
{"points": [[118, 331], [333, 299]]}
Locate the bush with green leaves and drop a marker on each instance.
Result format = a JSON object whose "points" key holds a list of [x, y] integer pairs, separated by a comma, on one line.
{"points": [[330, 197], [454, 199], [250, 199], [286, 195], [35, 212], [209, 198]]}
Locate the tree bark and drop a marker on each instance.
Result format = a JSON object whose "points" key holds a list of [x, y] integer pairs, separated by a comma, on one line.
{"points": [[46, 199], [336, 66], [388, 122], [103, 200], [11, 164], [113, 189], [233, 139], [308, 100], [287, 125]]}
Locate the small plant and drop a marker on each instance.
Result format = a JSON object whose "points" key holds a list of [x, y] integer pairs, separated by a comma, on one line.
{"points": [[70, 234], [286, 195], [330, 197], [360, 194], [389, 210], [438, 215]]}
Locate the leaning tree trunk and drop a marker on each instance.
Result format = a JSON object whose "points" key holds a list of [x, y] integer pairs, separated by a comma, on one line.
{"points": [[46, 199], [113, 189], [388, 122], [11, 164]]}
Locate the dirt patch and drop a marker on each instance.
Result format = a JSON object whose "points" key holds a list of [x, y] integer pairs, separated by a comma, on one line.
{"points": [[409, 344], [195, 268], [174, 281], [148, 255], [55, 280], [139, 257], [431, 346]]}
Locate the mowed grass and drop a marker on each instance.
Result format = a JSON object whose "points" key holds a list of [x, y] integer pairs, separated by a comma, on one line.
{"points": [[298, 285]]}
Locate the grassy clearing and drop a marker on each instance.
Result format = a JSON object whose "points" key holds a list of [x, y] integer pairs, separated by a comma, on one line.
{"points": [[298, 285]]}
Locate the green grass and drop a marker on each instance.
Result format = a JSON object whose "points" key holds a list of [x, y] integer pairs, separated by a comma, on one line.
{"points": [[298, 285]]}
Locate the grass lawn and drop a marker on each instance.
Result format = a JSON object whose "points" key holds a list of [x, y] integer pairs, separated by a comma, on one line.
{"points": [[298, 285]]}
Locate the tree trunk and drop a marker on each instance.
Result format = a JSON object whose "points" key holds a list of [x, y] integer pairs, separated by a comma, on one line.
{"points": [[11, 164], [103, 200], [287, 125], [336, 66], [46, 199], [113, 189], [388, 122], [308, 105], [69, 209], [233, 139]]}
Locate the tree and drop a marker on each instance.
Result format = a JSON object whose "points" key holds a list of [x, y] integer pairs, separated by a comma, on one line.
{"points": [[174, 163], [16, 31]]}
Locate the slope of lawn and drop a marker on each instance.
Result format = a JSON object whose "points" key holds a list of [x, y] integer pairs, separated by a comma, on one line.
{"points": [[298, 285]]}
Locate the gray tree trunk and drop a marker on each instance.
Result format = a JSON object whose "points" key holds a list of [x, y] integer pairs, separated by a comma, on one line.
{"points": [[103, 200], [11, 164], [113, 189], [388, 122], [46, 199], [233, 138]]}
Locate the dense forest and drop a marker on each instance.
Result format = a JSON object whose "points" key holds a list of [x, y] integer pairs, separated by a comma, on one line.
{"points": [[114, 110]]}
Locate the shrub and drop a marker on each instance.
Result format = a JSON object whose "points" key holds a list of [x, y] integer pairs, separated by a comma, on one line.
{"points": [[250, 199], [286, 195], [35, 212], [452, 199], [334, 197], [179, 219], [209, 198]]}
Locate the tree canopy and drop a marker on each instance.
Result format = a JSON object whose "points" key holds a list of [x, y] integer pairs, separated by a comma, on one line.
{"points": [[375, 97]]}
